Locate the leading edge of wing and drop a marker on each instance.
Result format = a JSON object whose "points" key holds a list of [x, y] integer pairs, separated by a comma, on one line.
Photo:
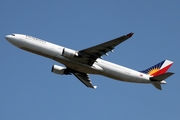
{"points": [[92, 53], [84, 78]]}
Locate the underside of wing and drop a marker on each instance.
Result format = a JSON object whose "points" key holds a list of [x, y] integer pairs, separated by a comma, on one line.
{"points": [[91, 54], [84, 78]]}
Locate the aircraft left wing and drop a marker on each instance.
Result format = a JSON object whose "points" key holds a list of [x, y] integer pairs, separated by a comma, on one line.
{"points": [[84, 78], [90, 55]]}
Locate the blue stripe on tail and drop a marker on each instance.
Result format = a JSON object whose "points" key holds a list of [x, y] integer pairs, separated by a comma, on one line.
{"points": [[155, 67]]}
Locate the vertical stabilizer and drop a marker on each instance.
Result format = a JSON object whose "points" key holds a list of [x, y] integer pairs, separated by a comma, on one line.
{"points": [[159, 68]]}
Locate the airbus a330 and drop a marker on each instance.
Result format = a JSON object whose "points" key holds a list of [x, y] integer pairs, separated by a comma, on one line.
{"points": [[88, 61]]}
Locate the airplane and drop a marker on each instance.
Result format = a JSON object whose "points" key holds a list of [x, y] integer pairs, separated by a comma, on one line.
{"points": [[89, 61]]}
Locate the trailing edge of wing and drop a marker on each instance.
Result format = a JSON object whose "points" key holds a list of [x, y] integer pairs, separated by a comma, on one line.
{"points": [[84, 78]]}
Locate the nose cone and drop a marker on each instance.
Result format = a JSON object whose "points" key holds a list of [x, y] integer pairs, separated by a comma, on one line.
{"points": [[8, 37], [12, 39]]}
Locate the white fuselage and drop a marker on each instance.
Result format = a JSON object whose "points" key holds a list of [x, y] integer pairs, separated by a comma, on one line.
{"points": [[55, 52]]}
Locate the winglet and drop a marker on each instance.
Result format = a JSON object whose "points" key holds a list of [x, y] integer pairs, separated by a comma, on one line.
{"points": [[95, 87], [130, 34]]}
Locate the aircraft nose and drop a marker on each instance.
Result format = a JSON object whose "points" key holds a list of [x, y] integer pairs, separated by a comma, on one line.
{"points": [[8, 37]]}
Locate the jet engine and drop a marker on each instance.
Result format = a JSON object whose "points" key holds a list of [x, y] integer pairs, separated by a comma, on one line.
{"points": [[69, 53], [60, 70]]}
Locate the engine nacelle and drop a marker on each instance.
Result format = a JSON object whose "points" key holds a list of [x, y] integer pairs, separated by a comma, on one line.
{"points": [[59, 70], [69, 53]]}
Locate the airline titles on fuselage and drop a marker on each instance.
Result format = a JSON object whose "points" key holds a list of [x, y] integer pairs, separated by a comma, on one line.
{"points": [[35, 39]]}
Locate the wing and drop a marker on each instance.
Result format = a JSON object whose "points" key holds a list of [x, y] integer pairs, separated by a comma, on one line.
{"points": [[84, 78], [90, 55]]}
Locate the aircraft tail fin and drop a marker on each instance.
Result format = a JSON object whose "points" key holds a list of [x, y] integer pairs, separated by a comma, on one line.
{"points": [[159, 68], [159, 79]]}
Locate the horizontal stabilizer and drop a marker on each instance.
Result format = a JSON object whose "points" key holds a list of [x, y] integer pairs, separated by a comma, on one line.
{"points": [[161, 77]]}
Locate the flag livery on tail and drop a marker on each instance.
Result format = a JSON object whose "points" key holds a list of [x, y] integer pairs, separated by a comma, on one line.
{"points": [[159, 68]]}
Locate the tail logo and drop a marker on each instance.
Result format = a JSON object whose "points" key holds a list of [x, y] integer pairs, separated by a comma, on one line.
{"points": [[154, 70], [159, 68]]}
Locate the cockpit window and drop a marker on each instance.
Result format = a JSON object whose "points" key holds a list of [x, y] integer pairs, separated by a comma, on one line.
{"points": [[13, 34]]}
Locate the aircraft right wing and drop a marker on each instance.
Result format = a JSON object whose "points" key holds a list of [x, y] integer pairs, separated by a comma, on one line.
{"points": [[90, 55]]}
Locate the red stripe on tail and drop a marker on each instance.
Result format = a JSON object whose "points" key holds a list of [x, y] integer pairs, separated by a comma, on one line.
{"points": [[161, 71]]}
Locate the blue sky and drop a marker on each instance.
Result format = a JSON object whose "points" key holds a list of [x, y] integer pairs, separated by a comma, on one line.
{"points": [[28, 89]]}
